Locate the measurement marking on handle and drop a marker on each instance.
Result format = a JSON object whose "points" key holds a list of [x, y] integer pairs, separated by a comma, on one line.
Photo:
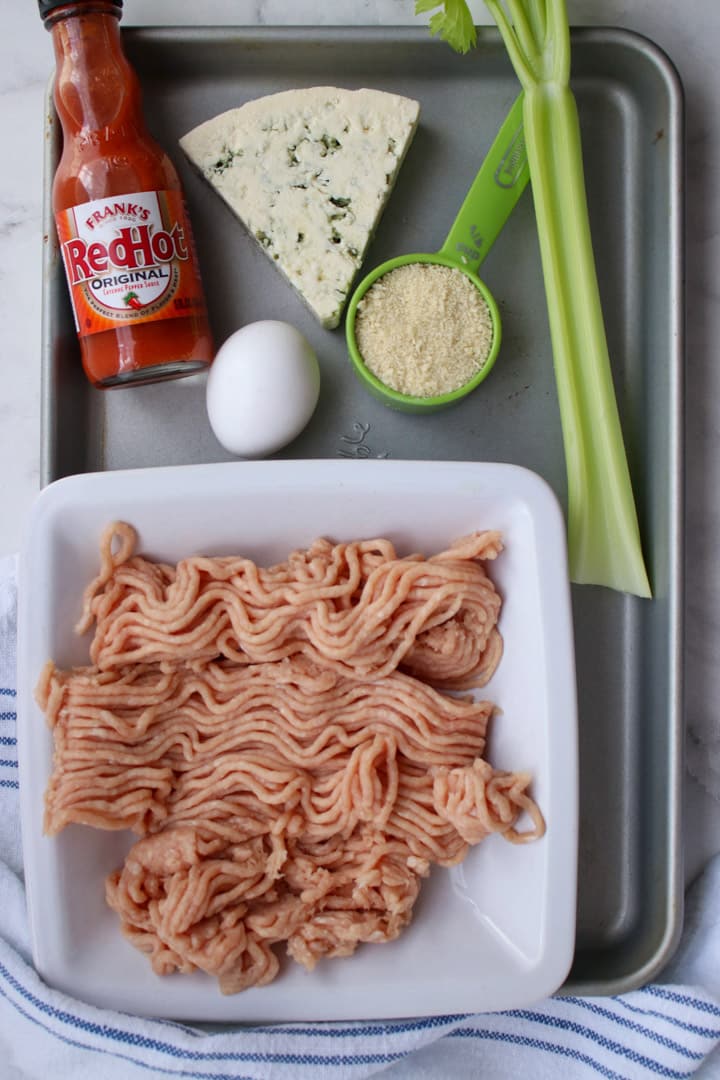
{"points": [[513, 161]]}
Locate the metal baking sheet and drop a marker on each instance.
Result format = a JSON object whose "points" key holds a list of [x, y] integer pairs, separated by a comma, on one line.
{"points": [[628, 651]]}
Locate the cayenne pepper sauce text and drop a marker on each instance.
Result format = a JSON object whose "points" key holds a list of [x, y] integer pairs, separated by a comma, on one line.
{"points": [[122, 224]]}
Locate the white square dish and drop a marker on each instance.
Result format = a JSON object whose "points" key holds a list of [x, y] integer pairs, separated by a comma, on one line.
{"points": [[496, 932]]}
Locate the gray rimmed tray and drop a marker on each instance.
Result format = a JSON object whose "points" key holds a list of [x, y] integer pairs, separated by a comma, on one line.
{"points": [[629, 652]]}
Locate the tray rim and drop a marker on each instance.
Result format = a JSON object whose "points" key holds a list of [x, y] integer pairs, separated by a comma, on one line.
{"points": [[618, 36]]}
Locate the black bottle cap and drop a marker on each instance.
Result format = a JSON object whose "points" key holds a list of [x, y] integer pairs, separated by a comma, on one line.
{"points": [[48, 6]]}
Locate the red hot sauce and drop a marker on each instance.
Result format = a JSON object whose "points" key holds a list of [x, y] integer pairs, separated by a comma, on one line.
{"points": [[122, 224]]}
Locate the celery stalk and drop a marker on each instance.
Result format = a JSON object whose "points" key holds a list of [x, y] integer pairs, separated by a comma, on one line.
{"points": [[603, 535]]}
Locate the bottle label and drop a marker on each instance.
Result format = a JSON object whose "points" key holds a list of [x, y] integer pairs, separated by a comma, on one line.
{"points": [[129, 259]]}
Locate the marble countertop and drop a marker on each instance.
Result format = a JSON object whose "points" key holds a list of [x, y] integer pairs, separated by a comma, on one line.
{"points": [[690, 34]]}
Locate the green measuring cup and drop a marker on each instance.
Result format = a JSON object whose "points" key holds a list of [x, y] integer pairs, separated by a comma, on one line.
{"points": [[488, 204]]}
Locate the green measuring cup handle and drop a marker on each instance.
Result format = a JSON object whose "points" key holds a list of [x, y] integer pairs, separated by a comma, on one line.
{"points": [[495, 191]]}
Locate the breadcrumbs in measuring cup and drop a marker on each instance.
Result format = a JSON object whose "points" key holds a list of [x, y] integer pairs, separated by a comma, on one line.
{"points": [[424, 329]]}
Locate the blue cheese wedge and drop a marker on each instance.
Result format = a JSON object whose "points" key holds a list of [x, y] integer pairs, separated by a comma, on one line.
{"points": [[309, 172]]}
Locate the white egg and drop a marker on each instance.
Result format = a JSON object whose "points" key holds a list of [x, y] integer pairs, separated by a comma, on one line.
{"points": [[262, 388]]}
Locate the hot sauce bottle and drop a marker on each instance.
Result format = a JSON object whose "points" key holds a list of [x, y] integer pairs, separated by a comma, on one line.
{"points": [[121, 219]]}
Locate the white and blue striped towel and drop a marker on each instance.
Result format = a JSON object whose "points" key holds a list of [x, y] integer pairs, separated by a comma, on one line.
{"points": [[665, 1030]]}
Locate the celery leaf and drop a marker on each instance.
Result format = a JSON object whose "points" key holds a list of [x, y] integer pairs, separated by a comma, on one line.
{"points": [[452, 24]]}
